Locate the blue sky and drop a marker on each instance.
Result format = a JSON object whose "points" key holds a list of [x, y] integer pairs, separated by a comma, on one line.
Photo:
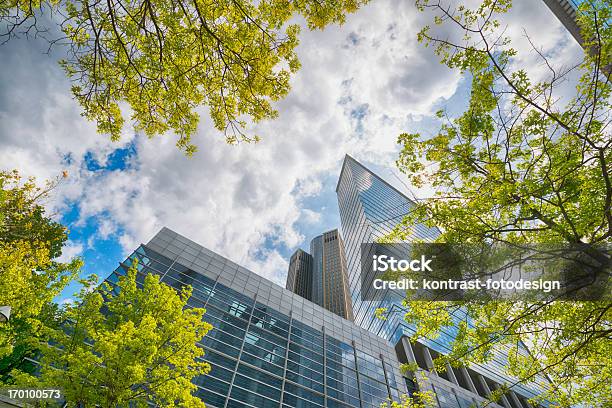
{"points": [[360, 86], [101, 255]]}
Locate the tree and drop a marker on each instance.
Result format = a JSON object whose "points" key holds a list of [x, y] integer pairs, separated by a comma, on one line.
{"points": [[126, 345], [166, 58], [521, 165], [30, 277], [114, 345]]}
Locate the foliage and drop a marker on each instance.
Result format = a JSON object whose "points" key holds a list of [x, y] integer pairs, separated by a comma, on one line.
{"points": [[22, 214], [138, 345], [167, 58], [132, 344], [29, 276], [523, 164]]}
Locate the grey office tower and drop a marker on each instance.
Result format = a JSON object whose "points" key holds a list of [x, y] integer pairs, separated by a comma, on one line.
{"points": [[299, 275]]}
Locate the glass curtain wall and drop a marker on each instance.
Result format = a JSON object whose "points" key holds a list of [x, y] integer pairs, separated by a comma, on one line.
{"points": [[262, 358]]}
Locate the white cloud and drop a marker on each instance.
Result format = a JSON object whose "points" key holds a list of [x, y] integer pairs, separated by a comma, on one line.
{"points": [[308, 187], [310, 217], [273, 266], [359, 86], [106, 227], [70, 250]]}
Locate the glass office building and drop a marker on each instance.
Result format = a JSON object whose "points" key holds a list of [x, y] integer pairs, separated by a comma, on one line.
{"points": [[321, 276], [270, 347], [369, 209]]}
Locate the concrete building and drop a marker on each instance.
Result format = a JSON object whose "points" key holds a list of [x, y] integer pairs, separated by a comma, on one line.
{"points": [[565, 11]]}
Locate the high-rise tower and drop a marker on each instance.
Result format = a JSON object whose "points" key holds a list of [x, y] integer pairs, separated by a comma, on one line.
{"points": [[369, 209], [299, 276], [321, 276], [272, 348], [330, 274]]}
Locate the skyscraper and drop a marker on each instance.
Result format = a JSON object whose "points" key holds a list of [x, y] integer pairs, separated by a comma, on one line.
{"points": [[369, 209], [330, 274], [321, 276], [299, 275], [269, 348]]}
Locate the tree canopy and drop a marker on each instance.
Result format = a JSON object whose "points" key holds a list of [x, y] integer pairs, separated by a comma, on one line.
{"points": [[161, 60], [30, 275], [130, 344], [523, 164], [135, 342]]}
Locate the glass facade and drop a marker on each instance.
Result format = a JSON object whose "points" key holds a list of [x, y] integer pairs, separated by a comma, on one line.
{"points": [[316, 250], [369, 209], [269, 347]]}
